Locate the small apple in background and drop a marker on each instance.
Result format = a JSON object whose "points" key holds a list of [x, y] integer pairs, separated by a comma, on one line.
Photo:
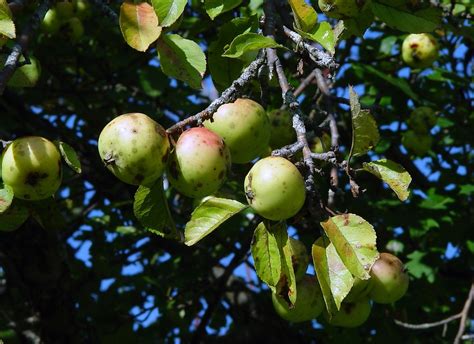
{"points": [[389, 279], [245, 128], [419, 144], [309, 301], [199, 164], [31, 166], [420, 50], [422, 119], [134, 148], [275, 188]]}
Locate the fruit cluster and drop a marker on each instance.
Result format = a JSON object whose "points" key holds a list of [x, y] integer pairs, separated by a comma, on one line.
{"points": [[137, 150], [387, 284], [65, 17]]}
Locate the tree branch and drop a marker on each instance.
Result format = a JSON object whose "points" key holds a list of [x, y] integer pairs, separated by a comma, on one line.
{"points": [[464, 313], [228, 96], [21, 45], [105, 10]]}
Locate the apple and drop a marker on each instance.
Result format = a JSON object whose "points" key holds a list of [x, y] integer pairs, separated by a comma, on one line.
{"points": [[282, 132], [342, 9], [419, 144], [134, 148], [360, 289], [31, 166], [309, 301], [275, 188], [351, 314], [420, 50], [422, 119], [245, 128], [389, 279], [199, 164]]}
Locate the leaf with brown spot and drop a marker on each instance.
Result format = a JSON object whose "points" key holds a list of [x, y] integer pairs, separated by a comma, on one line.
{"points": [[355, 241]]}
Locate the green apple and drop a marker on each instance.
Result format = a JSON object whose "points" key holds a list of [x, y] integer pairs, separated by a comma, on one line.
{"points": [[389, 279], [199, 164], [74, 29], [31, 166], [134, 148], [27, 75], [51, 22], [275, 188], [422, 119], [309, 301], [351, 314], [420, 50], [359, 290], [419, 144]]}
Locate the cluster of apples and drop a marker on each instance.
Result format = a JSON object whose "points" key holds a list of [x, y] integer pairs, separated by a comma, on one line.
{"points": [[31, 167], [65, 17], [418, 139], [138, 151], [387, 284]]}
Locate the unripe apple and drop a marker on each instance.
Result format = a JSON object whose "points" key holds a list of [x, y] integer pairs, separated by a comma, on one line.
{"points": [[422, 119], [275, 188], [299, 258], [31, 166], [65, 9], [51, 22], [360, 289], [245, 128], [82, 9], [199, 164], [309, 301], [282, 132], [135, 148], [419, 50], [26, 75], [74, 29], [341, 9], [321, 144], [389, 279], [351, 314], [419, 144]]}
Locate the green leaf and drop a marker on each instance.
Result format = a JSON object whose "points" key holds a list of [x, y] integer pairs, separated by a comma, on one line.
{"points": [[217, 7], [355, 242], [139, 25], [7, 26], [224, 70], [168, 11], [208, 216], [247, 42], [417, 268], [182, 59], [272, 254], [13, 217], [6, 198], [305, 15], [70, 156], [151, 209], [397, 178], [435, 201], [333, 276], [358, 25], [404, 19], [323, 34], [365, 133]]}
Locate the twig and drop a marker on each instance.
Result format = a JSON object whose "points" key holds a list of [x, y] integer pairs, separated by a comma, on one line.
{"points": [[21, 45], [229, 95], [288, 150], [427, 325], [320, 58], [105, 10], [305, 83], [464, 313]]}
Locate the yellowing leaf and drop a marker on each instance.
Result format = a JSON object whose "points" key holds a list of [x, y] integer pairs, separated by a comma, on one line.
{"points": [[7, 26], [139, 25], [397, 178], [305, 15]]}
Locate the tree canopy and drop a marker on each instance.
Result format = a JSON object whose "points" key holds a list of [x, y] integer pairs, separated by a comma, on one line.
{"points": [[370, 101]]}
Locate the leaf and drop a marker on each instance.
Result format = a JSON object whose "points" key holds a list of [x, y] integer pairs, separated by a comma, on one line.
{"points": [[417, 268], [247, 42], [397, 178], [139, 25], [208, 216], [333, 276], [168, 11], [70, 156], [355, 242], [13, 217], [7, 26], [358, 25], [217, 7], [6, 198], [272, 254], [323, 34], [305, 15], [150, 207], [365, 133], [404, 19], [182, 59]]}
